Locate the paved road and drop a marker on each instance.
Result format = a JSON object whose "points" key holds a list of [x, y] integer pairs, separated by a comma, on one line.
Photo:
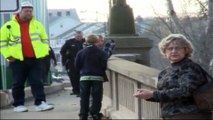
{"points": [[66, 107]]}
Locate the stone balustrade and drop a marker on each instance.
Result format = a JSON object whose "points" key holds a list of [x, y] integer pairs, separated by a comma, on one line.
{"points": [[125, 77]]}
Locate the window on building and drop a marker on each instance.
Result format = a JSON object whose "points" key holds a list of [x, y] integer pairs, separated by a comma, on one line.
{"points": [[50, 14], [67, 13], [58, 13]]}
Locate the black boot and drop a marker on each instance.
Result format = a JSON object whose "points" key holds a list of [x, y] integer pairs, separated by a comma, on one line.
{"points": [[97, 116], [83, 118]]}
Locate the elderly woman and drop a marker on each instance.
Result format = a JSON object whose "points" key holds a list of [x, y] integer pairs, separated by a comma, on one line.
{"points": [[177, 82]]}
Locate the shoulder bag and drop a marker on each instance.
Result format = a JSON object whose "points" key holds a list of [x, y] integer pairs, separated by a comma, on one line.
{"points": [[203, 96]]}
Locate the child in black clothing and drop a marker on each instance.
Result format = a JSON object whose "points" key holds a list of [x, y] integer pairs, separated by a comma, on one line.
{"points": [[92, 63]]}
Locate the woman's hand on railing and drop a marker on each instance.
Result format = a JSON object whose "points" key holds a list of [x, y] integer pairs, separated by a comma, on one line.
{"points": [[143, 94]]}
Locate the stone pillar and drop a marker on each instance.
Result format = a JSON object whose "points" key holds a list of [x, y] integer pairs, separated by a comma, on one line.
{"points": [[122, 30], [133, 45], [121, 20]]}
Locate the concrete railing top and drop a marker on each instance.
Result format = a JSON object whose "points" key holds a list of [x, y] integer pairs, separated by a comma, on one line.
{"points": [[138, 72]]}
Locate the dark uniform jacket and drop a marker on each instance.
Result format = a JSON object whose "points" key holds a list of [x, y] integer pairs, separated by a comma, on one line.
{"points": [[176, 85], [69, 51]]}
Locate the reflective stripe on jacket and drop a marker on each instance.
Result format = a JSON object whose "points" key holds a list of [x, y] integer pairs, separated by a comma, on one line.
{"points": [[10, 39]]}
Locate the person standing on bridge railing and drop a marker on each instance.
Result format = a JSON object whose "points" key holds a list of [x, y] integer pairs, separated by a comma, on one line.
{"points": [[24, 42], [92, 63], [68, 54], [177, 83]]}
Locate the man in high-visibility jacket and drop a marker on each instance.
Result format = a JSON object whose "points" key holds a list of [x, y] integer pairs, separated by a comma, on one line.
{"points": [[23, 43]]}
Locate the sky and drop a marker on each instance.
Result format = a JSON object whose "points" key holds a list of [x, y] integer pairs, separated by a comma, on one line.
{"points": [[97, 10]]}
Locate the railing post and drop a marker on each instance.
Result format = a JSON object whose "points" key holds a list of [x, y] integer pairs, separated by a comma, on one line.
{"points": [[139, 103], [115, 98], [111, 83]]}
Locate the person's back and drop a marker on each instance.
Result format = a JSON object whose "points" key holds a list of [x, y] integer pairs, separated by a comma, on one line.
{"points": [[91, 62]]}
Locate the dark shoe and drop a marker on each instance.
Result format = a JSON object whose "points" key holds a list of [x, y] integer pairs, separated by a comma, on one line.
{"points": [[81, 118], [97, 116], [72, 94], [77, 95], [45, 84]]}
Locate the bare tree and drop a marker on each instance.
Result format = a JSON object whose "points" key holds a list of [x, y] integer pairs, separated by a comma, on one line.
{"points": [[209, 30], [197, 27]]}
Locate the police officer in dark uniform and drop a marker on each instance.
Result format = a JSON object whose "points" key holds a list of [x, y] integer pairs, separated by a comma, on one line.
{"points": [[68, 53]]}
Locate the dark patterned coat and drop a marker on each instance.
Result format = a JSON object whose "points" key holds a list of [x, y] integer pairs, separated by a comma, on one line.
{"points": [[175, 87]]}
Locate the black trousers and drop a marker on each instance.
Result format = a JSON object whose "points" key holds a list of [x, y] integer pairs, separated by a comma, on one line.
{"points": [[45, 69], [96, 89], [29, 69], [74, 76]]}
